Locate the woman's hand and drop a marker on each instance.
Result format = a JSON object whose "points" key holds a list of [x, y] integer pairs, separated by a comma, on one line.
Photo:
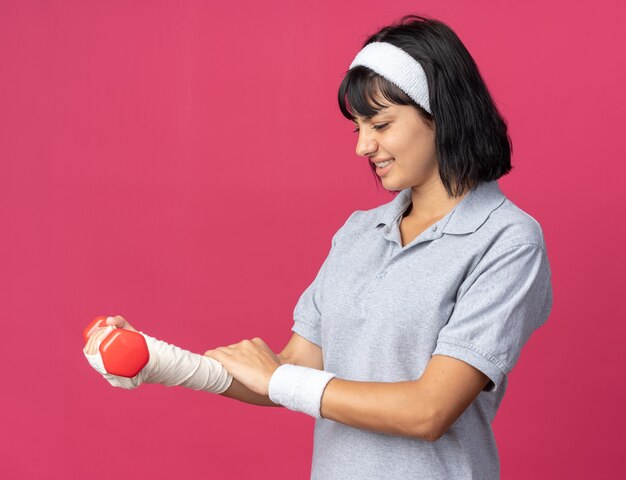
{"points": [[251, 362], [91, 347], [119, 322]]}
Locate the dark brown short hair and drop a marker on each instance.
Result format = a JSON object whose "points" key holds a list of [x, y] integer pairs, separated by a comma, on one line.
{"points": [[472, 141]]}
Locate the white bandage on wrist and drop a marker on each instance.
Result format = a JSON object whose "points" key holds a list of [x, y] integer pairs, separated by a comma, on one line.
{"points": [[174, 366], [299, 388], [171, 366]]}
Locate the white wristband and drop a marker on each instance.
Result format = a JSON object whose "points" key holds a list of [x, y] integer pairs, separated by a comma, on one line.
{"points": [[170, 365], [299, 388]]}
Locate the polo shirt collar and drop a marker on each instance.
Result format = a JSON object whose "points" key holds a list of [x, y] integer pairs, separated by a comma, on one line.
{"points": [[466, 217]]}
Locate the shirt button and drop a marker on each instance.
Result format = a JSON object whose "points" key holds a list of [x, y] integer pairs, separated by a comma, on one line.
{"points": [[435, 228], [381, 275]]}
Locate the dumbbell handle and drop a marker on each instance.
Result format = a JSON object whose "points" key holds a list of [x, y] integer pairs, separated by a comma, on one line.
{"points": [[124, 352]]}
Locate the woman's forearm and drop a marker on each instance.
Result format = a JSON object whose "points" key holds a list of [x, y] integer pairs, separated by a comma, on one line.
{"points": [[239, 391], [398, 408], [424, 408]]}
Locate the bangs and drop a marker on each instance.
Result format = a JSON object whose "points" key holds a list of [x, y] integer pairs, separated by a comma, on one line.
{"points": [[363, 93]]}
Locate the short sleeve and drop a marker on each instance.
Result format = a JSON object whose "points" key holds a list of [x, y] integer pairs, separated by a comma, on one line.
{"points": [[500, 304], [307, 313]]}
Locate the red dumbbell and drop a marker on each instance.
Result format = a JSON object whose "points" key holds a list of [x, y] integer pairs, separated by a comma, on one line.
{"points": [[124, 352]]}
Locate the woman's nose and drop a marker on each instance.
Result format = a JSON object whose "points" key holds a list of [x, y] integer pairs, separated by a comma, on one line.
{"points": [[365, 145]]}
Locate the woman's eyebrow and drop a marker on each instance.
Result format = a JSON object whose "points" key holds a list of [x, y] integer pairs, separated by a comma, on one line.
{"points": [[369, 119]]}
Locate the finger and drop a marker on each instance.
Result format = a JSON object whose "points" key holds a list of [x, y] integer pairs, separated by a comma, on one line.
{"points": [[223, 350], [119, 322], [229, 348], [101, 334], [216, 355], [89, 346], [248, 343], [95, 327], [93, 342], [116, 321], [88, 349]]}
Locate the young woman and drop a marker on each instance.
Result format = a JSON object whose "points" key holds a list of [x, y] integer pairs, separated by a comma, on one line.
{"points": [[402, 343]]}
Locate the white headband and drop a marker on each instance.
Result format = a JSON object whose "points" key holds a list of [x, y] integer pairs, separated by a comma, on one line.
{"points": [[398, 67]]}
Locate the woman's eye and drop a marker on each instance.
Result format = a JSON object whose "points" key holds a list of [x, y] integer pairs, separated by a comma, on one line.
{"points": [[381, 126]]}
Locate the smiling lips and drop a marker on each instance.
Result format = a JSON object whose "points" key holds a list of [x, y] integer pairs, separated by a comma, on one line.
{"points": [[383, 164], [386, 165], [378, 162]]}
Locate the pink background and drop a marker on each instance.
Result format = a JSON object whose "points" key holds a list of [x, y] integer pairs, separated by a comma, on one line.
{"points": [[185, 164]]}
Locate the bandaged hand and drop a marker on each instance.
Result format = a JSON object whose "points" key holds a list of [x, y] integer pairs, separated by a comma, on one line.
{"points": [[168, 365]]}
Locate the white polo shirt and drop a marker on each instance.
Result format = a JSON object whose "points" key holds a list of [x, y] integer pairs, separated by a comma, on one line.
{"points": [[473, 286]]}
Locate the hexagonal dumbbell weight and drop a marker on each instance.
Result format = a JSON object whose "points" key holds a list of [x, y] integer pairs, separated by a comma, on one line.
{"points": [[124, 352]]}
